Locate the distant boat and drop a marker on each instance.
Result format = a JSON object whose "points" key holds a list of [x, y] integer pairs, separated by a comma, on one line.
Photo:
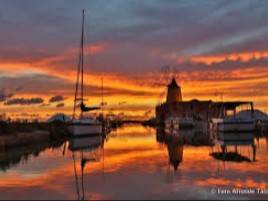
{"points": [[83, 126], [60, 117]]}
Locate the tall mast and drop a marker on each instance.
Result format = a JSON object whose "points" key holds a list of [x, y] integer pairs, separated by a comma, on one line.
{"points": [[80, 69], [82, 59], [76, 86]]}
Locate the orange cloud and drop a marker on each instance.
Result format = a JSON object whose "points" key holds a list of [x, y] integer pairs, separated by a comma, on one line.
{"points": [[243, 56], [148, 89]]}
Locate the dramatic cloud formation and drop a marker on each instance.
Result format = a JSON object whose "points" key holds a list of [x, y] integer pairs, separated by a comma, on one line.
{"points": [[211, 46]]}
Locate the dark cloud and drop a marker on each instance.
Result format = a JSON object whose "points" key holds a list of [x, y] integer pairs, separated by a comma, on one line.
{"points": [[24, 101], [236, 93], [36, 83], [134, 28], [190, 66], [142, 36], [56, 99], [60, 105]]}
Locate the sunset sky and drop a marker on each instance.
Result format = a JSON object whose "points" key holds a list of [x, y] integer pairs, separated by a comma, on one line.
{"points": [[213, 48]]}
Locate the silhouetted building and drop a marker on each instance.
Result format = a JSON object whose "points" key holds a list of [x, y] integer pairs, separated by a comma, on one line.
{"points": [[201, 110]]}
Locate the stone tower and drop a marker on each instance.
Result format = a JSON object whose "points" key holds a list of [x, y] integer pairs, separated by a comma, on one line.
{"points": [[174, 92]]}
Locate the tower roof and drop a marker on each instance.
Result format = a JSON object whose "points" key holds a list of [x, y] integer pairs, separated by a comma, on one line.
{"points": [[173, 83]]}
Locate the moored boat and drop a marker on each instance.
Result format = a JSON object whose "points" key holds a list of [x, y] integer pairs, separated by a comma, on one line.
{"points": [[233, 129], [83, 126]]}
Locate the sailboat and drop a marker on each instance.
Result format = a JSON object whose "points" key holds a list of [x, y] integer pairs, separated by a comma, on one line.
{"points": [[82, 126]]}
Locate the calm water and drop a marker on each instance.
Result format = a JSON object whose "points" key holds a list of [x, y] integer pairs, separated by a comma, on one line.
{"points": [[132, 164]]}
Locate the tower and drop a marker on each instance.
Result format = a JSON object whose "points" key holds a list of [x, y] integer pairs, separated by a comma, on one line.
{"points": [[174, 92]]}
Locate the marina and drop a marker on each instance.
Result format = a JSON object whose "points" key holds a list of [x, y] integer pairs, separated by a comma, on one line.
{"points": [[133, 100], [140, 162]]}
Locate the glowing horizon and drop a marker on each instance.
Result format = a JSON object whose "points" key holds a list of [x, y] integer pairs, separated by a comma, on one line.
{"points": [[128, 45]]}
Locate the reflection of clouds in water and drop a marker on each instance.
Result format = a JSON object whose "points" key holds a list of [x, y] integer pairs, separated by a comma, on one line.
{"points": [[136, 167]]}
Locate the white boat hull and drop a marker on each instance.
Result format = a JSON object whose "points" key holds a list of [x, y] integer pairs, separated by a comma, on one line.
{"points": [[85, 129], [85, 143]]}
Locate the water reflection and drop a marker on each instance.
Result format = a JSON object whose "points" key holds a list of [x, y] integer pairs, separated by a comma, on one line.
{"points": [[230, 156], [86, 144], [174, 144], [85, 150], [228, 149], [137, 162], [230, 152], [175, 150], [231, 142], [12, 156]]}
